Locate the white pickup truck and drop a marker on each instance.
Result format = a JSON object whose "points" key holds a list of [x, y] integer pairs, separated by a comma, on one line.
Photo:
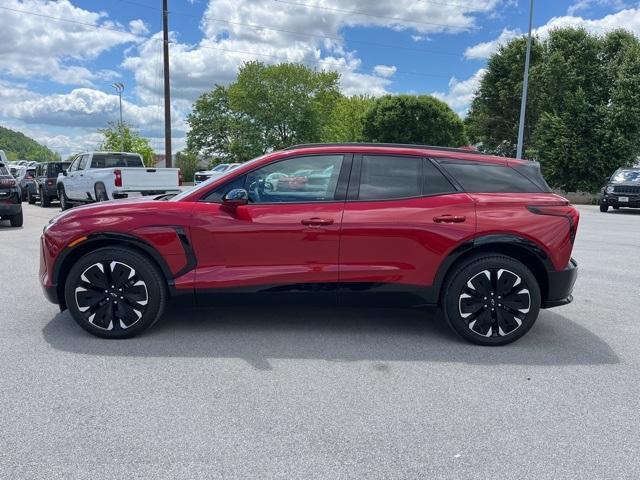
{"points": [[100, 176]]}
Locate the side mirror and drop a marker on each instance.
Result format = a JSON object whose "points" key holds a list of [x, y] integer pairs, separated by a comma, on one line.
{"points": [[235, 198], [65, 173]]}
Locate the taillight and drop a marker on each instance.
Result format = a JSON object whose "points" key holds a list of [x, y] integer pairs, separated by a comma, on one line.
{"points": [[7, 182], [49, 182], [180, 178], [567, 211], [118, 180]]}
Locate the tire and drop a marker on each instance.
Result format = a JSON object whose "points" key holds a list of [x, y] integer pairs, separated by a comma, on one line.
{"points": [[615, 207], [45, 201], [474, 307], [17, 220], [101, 193], [64, 201], [92, 297], [30, 198], [604, 208]]}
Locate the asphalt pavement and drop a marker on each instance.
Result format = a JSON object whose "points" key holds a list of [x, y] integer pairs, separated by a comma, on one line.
{"points": [[293, 392]]}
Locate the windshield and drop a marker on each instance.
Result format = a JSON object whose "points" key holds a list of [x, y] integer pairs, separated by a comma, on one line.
{"points": [[626, 176], [205, 185], [220, 168], [115, 160]]}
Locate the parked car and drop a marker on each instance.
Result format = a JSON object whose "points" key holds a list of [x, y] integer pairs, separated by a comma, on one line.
{"points": [[46, 179], [622, 190], [482, 237], [26, 180], [10, 201], [101, 176], [217, 171]]}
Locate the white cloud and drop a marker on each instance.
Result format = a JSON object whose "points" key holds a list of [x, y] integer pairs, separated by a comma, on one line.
{"points": [[36, 46], [581, 5], [461, 93], [385, 71], [628, 19], [138, 27], [486, 49]]}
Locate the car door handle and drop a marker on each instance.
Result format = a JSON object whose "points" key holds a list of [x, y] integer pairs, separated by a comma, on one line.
{"points": [[449, 219], [317, 222]]}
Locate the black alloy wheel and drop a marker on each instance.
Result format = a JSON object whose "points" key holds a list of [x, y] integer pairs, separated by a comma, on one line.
{"points": [[115, 293], [492, 300]]}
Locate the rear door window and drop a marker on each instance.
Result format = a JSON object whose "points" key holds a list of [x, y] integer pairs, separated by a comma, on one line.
{"points": [[475, 177], [112, 160], [385, 177]]}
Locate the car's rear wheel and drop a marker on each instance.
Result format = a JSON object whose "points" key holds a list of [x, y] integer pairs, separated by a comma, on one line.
{"points": [[17, 220], [615, 207], [604, 208], [115, 293], [64, 201], [45, 201], [491, 299]]}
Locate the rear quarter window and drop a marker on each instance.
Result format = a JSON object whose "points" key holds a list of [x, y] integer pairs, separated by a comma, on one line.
{"points": [[101, 160], [475, 177]]}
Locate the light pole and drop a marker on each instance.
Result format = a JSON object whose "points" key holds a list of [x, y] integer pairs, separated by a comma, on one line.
{"points": [[525, 86], [120, 88]]}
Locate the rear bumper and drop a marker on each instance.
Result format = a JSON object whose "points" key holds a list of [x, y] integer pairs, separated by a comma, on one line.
{"points": [[561, 286], [10, 209], [125, 193]]}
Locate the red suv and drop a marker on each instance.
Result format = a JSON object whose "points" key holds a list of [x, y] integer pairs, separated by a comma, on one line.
{"points": [[480, 236]]}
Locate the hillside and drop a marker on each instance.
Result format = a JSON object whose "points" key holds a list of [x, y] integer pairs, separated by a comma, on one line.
{"points": [[18, 146]]}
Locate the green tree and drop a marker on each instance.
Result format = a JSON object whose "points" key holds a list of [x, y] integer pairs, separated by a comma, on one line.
{"points": [[215, 129], [18, 146], [187, 162], [583, 114], [413, 119], [122, 137], [346, 121], [493, 117], [268, 107]]}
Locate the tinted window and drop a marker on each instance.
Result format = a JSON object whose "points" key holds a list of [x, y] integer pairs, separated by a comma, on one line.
{"points": [[114, 160], [386, 177], [487, 178], [56, 168], [434, 182], [4, 171]]}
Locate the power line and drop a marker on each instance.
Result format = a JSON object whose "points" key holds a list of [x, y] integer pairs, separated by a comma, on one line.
{"points": [[315, 62], [86, 24], [366, 14], [303, 34]]}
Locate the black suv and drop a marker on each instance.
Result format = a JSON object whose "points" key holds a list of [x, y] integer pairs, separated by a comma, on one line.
{"points": [[46, 177], [10, 201], [622, 190]]}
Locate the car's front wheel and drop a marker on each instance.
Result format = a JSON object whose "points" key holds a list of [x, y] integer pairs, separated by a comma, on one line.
{"points": [[45, 201], [491, 299], [17, 220], [604, 208], [115, 292]]}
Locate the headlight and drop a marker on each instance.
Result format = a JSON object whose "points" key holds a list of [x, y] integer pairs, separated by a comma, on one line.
{"points": [[609, 189]]}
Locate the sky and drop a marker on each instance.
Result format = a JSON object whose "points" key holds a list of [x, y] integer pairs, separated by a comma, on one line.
{"points": [[59, 58]]}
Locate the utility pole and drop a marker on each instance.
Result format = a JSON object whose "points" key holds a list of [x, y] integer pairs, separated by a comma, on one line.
{"points": [[525, 85], [120, 88], [167, 92]]}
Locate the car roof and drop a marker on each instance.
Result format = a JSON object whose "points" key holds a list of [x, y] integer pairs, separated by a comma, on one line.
{"points": [[403, 149]]}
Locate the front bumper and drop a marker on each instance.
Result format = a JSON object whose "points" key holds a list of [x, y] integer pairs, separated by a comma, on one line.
{"points": [[561, 286], [613, 199]]}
